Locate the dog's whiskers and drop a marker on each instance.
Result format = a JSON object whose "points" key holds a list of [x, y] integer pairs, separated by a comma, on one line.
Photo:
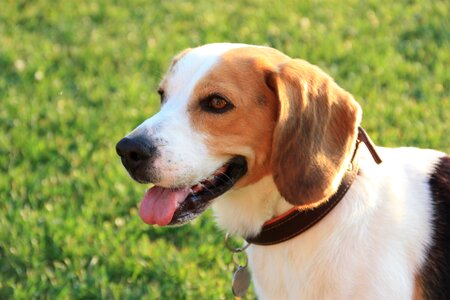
{"points": [[226, 176]]}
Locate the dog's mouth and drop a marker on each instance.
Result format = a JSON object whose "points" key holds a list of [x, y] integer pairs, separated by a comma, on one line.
{"points": [[176, 206]]}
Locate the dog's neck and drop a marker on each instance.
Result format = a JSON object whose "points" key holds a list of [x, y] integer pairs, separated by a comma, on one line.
{"points": [[242, 212]]}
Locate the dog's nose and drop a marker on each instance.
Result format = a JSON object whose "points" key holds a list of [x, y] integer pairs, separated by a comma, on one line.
{"points": [[135, 151]]}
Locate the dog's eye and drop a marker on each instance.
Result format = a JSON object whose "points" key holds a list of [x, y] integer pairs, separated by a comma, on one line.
{"points": [[161, 94], [216, 104]]}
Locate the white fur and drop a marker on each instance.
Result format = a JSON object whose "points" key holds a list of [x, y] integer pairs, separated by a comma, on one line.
{"points": [[368, 247]]}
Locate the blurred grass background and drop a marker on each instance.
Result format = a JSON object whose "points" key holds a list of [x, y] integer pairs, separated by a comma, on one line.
{"points": [[75, 76]]}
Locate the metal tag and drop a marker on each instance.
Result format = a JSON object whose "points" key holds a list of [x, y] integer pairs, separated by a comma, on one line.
{"points": [[241, 281]]}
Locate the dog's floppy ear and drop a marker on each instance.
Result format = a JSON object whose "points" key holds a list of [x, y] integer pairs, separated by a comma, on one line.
{"points": [[315, 135]]}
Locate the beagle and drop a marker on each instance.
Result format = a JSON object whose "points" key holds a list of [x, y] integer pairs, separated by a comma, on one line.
{"points": [[255, 134]]}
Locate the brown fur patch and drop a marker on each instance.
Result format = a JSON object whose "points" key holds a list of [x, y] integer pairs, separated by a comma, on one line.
{"points": [[418, 293], [315, 134], [248, 128]]}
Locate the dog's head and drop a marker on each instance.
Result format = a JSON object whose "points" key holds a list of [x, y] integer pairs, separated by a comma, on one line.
{"points": [[232, 114]]}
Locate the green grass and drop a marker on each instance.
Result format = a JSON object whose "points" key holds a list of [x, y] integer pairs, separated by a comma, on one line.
{"points": [[75, 76]]}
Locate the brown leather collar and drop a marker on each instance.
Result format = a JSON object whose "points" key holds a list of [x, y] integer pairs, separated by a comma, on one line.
{"points": [[297, 220]]}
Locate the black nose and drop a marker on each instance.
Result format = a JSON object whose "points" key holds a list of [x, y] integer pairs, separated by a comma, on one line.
{"points": [[134, 152]]}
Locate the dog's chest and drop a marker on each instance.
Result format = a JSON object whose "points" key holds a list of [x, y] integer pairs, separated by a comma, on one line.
{"points": [[334, 260], [287, 272]]}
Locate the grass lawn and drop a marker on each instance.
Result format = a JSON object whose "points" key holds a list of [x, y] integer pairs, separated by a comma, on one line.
{"points": [[75, 76]]}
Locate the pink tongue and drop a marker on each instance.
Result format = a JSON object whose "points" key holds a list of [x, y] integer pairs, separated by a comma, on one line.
{"points": [[159, 204]]}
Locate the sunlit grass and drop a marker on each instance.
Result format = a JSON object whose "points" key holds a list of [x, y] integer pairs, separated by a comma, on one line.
{"points": [[75, 76]]}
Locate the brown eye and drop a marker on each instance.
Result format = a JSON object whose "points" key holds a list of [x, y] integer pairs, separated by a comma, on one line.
{"points": [[216, 104]]}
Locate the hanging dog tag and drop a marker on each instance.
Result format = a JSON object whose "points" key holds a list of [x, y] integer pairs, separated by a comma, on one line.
{"points": [[241, 277], [241, 281]]}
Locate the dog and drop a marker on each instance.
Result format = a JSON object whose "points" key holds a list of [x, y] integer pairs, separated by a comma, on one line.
{"points": [[258, 135]]}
